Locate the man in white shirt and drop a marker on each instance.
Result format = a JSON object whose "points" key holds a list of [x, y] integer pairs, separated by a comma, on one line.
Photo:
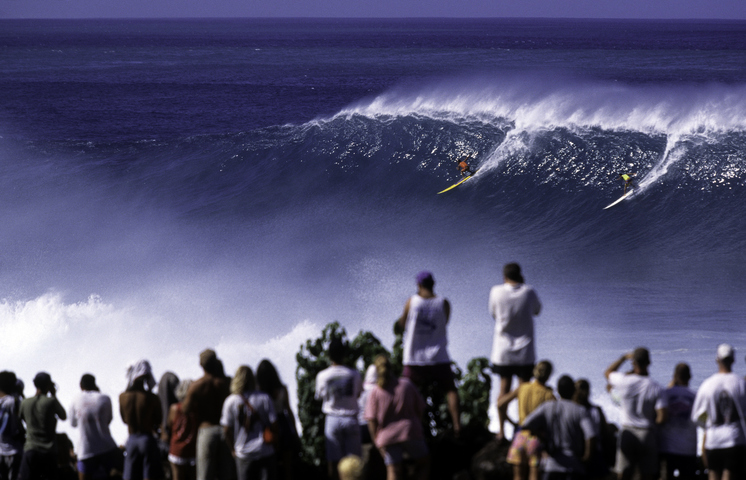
{"points": [[91, 411], [719, 407], [642, 409], [513, 305], [338, 387], [678, 433]]}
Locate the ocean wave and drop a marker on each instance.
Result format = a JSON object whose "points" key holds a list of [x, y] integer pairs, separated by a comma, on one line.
{"points": [[529, 103]]}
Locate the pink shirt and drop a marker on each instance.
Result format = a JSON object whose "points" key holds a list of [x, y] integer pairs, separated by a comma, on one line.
{"points": [[398, 412]]}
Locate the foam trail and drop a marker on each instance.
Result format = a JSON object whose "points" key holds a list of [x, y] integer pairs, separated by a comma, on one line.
{"points": [[675, 151], [515, 143]]}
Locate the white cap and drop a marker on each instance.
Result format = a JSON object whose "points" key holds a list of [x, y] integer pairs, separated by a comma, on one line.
{"points": [[726, 351]]}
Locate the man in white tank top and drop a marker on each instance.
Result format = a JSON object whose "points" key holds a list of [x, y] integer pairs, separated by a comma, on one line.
{"points": [[426, 356]]}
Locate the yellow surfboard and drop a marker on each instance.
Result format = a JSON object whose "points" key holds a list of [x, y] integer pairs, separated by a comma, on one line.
{"points": [[457, 184]]}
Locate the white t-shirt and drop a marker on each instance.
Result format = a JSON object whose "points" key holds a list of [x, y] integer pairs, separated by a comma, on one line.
{"points": [[640, 397], [513, 307], [338, 387], [249, 444], [722, 399], [678, 435], [425, 341], [91, 411]]}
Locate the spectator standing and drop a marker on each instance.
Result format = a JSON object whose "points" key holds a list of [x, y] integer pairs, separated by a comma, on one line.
{"points": [[719, 406], [513, 305], [425, 358], [141, 411], [525, 450], [642, 405], [569, 431], [338, 387], [40, 413], [167, 395], [91, 411], [205, 400], [182, 452], [247, 415], [597, 467], [394, 412], [288, 445], [11, 429], [678, 433]]}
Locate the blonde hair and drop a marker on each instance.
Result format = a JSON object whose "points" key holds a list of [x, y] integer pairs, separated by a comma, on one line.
{"points": [[383, 369], [543, 371], [243, 380], [350, 468]]}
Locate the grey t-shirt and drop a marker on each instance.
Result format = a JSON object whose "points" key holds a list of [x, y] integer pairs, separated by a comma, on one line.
{"points": [[567, 426]]}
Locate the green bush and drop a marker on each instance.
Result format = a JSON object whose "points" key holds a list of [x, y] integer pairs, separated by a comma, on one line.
{"points": [[474, 387]]}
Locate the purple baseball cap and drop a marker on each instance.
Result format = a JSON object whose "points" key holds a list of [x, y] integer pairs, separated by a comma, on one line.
{"points": [[424, 277]]}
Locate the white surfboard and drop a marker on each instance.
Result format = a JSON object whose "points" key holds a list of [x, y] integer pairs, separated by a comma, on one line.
{"points": [[618, 200]]}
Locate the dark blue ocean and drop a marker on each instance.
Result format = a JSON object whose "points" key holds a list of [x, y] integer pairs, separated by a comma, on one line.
{"points": [[168, 186]]}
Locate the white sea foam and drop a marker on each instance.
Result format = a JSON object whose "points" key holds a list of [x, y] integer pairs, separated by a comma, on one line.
{"points": [[531, 103], [69, 338]]}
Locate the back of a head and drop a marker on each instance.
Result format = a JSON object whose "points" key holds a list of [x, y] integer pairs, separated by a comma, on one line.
{"points": [[425, 280], [582, 391], [512, 272], [209, 362], [383, 370], [542, 371], [565, 387], [88, 383], [337, 350], [641, 357], [243, 380], [350, 468], [682, 374], [726, 355], [267, 378], [7, 382], [43, 381]]}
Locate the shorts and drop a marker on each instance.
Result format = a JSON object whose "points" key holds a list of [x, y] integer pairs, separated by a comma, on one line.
{"points": [[143, 458], [638, 447], [439, 373], [523, 372], [731, 459], [525, 449], [182, 461], [342, 437], [395, 452], [100, 466]]}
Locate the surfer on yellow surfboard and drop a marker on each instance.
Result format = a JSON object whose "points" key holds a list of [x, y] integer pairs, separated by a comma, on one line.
{"points": [[464, 167], [627, 177]]}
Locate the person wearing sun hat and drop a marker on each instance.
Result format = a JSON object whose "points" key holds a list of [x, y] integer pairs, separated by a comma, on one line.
{"points": [[718, 407], [426, 358]]}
